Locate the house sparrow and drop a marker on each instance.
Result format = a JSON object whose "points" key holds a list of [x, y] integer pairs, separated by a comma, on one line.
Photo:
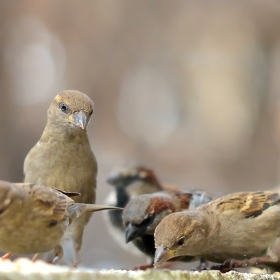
{"points": [[143, 213], [63, 158], [128, 182], [239, 229], [34, 218]]}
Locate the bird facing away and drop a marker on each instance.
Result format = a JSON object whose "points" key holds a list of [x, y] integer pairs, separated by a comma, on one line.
{"points": [[128, 181], [143, 213], [63, 158], [241, 227], [34, 218]]}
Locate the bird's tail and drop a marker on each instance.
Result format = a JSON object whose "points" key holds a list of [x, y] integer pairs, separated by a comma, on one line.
{"points": [[77, 209]]}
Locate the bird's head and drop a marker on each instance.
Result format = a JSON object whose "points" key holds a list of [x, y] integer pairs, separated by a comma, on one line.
{"points": [[71, 109], [124, 176], [144, 213], [179, 234]]}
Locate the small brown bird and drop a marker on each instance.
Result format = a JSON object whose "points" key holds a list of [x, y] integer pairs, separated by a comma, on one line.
{"points": [[63, 158], [143, 213], [128, 181], [34, 218], [239, 229]]}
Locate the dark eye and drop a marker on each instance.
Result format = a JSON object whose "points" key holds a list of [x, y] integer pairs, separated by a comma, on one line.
{"points": [[63, 107], [149, 220], [181, 241]]}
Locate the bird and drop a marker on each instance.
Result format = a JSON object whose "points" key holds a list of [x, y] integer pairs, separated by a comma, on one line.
{"points": [[143, 213], [128, 181], [63, 158], [34, 217], [237, 230]]}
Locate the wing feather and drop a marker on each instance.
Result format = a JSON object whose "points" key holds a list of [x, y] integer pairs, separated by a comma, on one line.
{"points": [[250, 204]]}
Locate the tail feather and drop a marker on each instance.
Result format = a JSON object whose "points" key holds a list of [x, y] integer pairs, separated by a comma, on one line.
{"points": [[75, 210]]}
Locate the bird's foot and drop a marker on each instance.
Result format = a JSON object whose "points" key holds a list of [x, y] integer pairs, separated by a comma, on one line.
{"points": [[224, 267], [229, 265], [58, 251], [251, 262], [6, 256], [202, 266], [143, 267]]}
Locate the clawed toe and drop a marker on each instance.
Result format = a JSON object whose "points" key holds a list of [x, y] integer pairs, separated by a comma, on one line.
{"points": [[58, 250]]}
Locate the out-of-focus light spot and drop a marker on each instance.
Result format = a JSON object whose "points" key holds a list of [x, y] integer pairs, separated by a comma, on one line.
{"points": [[35, 61], [147, 109], [35, 71]]}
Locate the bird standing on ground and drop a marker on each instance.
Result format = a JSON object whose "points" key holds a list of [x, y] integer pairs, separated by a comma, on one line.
{"points": [[63, 158], [239, 229], [143, 213], [34, 218]]}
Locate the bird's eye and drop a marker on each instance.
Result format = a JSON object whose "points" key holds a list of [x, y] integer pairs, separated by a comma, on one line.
{"points": [[181, 241], [149, 220], [63, 107]]}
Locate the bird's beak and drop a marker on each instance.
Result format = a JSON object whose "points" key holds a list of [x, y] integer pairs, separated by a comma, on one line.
{"points": [[162, 255], [79, 119], [132, 232]]}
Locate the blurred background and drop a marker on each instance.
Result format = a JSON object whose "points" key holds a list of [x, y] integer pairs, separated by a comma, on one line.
{"points": [[190, 89]]}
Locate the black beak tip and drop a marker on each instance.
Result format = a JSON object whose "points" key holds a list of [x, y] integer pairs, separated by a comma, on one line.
{"points": [[128, 237]]}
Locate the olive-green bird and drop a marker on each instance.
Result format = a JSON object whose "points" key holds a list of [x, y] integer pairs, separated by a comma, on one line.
{"points": [[63, 159]]}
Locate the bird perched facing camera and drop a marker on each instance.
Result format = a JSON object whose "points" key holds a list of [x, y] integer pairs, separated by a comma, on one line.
{"points": [[239, 229], [34, 218], [63, 158], [143, 213], [128, 181]]}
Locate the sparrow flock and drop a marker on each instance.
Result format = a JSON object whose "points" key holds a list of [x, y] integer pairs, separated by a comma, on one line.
{"points": [[57, 199]]}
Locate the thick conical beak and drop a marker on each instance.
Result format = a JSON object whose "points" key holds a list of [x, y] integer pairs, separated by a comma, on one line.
{"points": [[162, 255], [132, 232], [79, 119]]}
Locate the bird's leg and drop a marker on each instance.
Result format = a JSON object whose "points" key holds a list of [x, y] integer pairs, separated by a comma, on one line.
{"points": [[6, 256], [252, 262], [75, 262], [58, 251], [202, 266], [35, 257], [230, 264]]}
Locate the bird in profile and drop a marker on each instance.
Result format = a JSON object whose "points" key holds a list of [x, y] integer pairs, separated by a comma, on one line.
{"points": [[142, 215], [63, 159], [34, 217], [237, 230], [128, 181]]}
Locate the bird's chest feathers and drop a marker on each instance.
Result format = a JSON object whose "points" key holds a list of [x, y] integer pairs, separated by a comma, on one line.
{"points": [[60, 164]]}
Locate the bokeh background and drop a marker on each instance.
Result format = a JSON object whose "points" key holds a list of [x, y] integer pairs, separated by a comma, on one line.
{"points": [[188, 88]]}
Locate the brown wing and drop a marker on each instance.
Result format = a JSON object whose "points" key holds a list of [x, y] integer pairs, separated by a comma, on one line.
{"points": [[48, 201], [251, 204]]}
